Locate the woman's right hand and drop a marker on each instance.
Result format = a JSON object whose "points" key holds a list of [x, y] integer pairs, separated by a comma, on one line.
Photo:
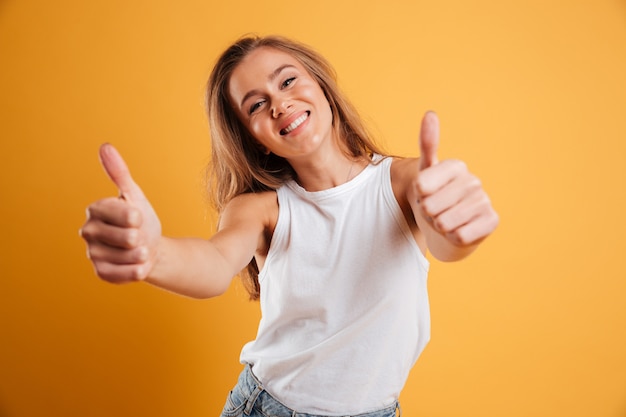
{"points": [[122, 233]]}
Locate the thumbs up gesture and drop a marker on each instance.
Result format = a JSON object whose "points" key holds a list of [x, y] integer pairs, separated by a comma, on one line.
{"points": [[449, 203], [122, 233]]}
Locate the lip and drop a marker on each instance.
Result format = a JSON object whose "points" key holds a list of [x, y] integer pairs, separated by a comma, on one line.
{"points": [[293, 118]]}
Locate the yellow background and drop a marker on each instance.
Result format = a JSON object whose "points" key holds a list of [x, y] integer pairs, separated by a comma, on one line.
{"points": [[531, 94]]}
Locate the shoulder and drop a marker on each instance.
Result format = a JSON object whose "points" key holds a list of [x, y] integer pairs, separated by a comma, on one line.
{"points": [[252, 199], [251, 207], [403, 172], [253, 215]]}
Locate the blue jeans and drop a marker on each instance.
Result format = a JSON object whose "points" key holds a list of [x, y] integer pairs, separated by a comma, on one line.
{"points": [[250, 399]]}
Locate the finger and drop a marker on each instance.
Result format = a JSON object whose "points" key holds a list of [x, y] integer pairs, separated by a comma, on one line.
{"points": [[98, 252], [97, 232], [451, 194], [116, 212], [117, 170], [474, 231], [439, 176], [464, 212], [120, 274], [429, 140]]}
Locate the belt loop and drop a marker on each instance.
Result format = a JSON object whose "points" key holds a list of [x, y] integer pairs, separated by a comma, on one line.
{"points": [[399, 414], [252, 399]]}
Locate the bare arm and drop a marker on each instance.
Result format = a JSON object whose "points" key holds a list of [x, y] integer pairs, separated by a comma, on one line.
{"points": [[125, 244], [447, 202]]}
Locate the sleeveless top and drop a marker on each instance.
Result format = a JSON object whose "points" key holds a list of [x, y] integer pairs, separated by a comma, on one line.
{"points": [[344, 300]]}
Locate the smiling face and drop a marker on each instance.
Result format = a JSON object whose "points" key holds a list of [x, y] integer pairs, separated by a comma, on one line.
{"points": [[281, 104]]}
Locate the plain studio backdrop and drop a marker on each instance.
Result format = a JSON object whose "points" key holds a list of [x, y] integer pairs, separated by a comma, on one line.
{"points": [[532, 95]]}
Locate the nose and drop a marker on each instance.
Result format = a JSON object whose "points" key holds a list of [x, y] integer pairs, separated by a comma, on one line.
{"points": [[279, 107]]}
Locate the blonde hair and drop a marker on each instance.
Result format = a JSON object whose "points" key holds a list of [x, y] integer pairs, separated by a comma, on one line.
{"points": [[238, 165]]}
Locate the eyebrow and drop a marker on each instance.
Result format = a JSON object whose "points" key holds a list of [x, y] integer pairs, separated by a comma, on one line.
{"points": [[271, 78]]}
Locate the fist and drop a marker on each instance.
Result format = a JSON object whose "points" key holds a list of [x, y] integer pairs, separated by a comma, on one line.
{"points": [[449, 197], [122, 233]]}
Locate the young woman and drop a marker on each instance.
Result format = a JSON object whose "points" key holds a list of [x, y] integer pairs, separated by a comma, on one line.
{"points": [[327, 231]]}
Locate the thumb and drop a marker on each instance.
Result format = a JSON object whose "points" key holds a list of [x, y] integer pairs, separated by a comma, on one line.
{"points": [[429, 140], [118, 172]]}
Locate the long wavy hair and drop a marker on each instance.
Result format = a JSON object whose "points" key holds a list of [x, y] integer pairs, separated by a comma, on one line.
{"points": [[238, 165]]}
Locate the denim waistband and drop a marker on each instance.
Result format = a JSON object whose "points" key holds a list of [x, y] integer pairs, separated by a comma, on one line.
{"points": [[259, 400]]}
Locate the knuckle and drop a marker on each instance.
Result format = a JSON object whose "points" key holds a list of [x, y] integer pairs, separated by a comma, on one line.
{"points": [[475, 183], [131, 238], [495, 220], [86, 232], [142, 254], [138, 273], [484, 204], [459, 165], [90, 211], [420, 187], [441, 225], [92, 253], [103, 271], [117, 274], [426, 205], [481, 204], [453, 237], [459, 240], [132, 217], [462, 237]]}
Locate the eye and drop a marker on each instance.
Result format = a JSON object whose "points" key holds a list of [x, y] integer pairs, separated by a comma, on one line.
{"points": [[255, 106], [288, 82]]}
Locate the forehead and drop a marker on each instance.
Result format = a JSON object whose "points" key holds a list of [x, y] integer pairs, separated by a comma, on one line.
{"points": [[256, 68]]}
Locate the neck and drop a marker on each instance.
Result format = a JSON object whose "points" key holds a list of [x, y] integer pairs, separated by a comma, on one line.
{"points": [[318, 175]]}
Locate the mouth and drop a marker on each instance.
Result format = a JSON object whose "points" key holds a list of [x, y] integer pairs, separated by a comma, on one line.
{"points": [[294, 125]]}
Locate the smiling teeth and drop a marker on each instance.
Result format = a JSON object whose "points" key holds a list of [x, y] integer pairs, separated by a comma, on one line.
{"points": [[295, 123]]}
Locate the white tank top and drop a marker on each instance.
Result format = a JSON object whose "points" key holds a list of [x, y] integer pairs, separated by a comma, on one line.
{"points": [[344, 301]]}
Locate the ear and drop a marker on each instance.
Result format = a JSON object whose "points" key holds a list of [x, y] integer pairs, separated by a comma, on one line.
{"points": [[262, 148], [258, 145]]}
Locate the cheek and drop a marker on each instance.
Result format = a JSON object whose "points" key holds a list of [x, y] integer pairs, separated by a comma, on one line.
{"points": [[327, 112], [253, 126], [316, 95], [257, 129]]}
